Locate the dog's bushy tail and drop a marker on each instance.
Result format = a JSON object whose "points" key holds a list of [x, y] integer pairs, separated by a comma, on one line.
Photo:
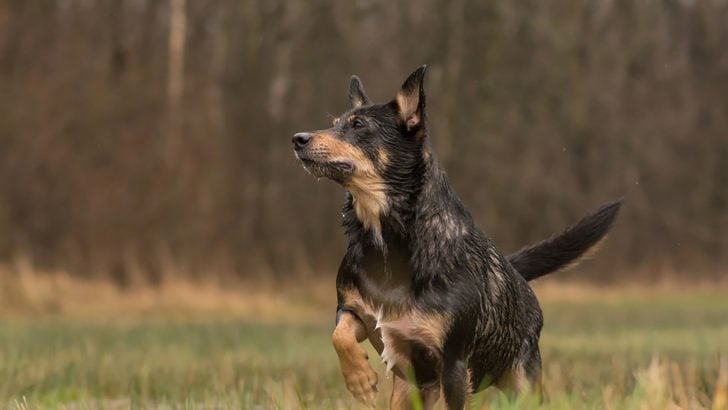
{"points": [[565, 248]]}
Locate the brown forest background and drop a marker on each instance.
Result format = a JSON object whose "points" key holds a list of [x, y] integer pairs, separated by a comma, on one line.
{"points": [[143, 137]]}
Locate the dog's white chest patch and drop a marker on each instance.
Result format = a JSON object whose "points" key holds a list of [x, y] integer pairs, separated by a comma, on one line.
{"points": [[393, 330], [399, 333], [396, 344]]}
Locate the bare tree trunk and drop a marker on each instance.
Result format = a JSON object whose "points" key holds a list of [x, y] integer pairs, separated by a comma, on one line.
{"points": [[175, 84]]}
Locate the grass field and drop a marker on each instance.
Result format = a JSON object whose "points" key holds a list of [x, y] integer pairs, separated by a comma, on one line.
{"points": [[654, 351]]}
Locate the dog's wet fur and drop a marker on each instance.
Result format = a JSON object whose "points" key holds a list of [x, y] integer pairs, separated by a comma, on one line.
{"points": [[446, 310]]}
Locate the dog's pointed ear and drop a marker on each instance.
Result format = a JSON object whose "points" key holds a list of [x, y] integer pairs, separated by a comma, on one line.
{"points": [[357, 96], [411, 99]]}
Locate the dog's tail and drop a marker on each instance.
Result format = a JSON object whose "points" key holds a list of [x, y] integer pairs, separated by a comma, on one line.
{"points": [[563, 249]]}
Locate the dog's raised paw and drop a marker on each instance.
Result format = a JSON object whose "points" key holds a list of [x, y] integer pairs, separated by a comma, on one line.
{"points": [[361, 380]]}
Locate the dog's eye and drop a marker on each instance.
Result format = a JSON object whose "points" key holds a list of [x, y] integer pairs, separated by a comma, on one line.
{"points": [[357, 123]]}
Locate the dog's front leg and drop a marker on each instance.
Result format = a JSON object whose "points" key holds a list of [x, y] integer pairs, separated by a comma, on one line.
{"points": [[456, 384], [360, 378]]}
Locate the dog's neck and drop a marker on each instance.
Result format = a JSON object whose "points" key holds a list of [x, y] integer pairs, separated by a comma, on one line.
{"points": [[421, 234], [369, 202], [407, 211]]}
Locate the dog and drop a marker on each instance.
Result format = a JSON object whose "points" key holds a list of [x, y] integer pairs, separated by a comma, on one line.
{"points": [[448, 313]]}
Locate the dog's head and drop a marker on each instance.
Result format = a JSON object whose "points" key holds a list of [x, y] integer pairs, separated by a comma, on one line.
{"points": [[370, 148]]}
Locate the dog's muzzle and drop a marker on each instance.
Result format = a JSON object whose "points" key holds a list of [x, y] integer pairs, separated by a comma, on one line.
{"points": [[315, 159]]}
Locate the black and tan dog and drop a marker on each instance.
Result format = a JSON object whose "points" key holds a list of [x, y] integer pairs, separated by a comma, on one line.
{"points": [[430, 291]]}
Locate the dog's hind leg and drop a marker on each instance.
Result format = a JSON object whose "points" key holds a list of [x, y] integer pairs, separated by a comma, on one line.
{"points": [[360, 378], [403, 395], [524, 376]]}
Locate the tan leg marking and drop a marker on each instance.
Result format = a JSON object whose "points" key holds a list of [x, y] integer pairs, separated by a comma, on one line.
{"points": [[402, 395], [360, 378], [469, 384]]}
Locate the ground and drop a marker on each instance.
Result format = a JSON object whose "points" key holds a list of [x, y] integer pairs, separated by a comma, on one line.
{"points": [[641, 349]]}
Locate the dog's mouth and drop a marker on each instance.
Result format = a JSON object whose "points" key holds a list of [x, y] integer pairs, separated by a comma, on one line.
{"points": [[337, 170]]}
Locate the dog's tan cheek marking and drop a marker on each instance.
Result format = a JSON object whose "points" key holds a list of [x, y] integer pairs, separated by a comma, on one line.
{"points": [[370, 199], [366, 185]]}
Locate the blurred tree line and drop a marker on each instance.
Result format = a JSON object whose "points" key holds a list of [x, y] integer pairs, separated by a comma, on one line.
{"points": [[140, 138]]}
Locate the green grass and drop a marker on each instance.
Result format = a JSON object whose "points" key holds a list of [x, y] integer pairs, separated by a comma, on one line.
{"points": [[597, 354]]}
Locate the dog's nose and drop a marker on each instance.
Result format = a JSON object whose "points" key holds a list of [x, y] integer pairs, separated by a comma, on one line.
{"points": [[301, 139]]}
